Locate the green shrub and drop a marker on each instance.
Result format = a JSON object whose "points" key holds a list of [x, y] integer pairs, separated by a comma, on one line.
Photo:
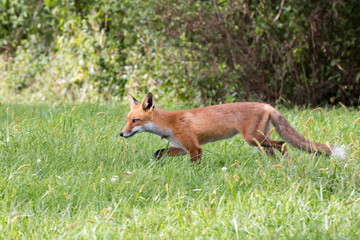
{"points": [[197, 51]]}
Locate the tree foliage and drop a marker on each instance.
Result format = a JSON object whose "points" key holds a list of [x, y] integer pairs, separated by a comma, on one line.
{"points": [[212, 51]]}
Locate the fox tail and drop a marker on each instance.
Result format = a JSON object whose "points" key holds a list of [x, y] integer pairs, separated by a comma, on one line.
{"points": [[290, 135]]}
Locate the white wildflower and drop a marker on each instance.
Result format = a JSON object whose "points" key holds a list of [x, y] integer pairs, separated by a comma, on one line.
{"points": [[115, 178]]}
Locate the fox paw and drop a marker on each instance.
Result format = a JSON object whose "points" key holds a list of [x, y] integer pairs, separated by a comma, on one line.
{"points": [[159, 153]]}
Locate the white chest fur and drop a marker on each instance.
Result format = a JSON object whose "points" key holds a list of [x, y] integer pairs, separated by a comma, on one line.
{"points": [[163, 133]]}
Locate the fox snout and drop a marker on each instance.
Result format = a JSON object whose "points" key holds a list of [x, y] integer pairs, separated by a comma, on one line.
{"points": [[130, 133], [126, 135]]}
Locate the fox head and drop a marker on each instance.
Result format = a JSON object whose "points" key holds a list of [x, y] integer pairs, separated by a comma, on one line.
{"points": [[140, 114]]}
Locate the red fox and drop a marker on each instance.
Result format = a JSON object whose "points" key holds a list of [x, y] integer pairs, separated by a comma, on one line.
{"points": [[186, 130]]}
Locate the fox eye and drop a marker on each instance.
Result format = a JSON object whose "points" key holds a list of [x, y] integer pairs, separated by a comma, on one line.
{"points": [[135, 120]]}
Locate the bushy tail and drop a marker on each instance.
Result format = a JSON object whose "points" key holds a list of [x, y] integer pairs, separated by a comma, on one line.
{"points": [[289, 134]]}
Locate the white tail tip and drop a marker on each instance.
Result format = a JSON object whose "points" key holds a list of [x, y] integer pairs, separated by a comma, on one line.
{"points": [[338, 153]]}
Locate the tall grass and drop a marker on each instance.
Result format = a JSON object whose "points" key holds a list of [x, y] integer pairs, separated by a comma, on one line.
{"points": [[65, 174]]}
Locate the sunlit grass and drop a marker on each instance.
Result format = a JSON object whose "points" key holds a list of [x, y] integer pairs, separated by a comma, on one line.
{"points": [[65, 173]]}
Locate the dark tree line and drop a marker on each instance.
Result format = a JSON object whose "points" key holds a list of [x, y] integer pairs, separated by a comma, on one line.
{"points": [[306, 52]]}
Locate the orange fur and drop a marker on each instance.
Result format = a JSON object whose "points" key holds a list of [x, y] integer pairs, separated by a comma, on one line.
{"points": [[188, 129]]}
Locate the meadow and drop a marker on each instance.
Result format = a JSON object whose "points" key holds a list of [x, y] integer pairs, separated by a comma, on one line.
{"points": [[66, 174]]}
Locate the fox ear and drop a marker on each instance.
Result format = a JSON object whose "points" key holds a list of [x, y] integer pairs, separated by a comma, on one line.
{"points": [[148, 102], [133, 101]]}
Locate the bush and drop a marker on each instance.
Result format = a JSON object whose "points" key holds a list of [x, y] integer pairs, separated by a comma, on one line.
{"points": [[203, 51]]}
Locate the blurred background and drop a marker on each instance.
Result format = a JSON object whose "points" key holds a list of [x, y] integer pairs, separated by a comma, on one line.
{"points": [[299, 52]]}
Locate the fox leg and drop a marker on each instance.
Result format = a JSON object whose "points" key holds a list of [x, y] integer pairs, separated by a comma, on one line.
{"points": [[269, 151], [271, 144], [190, 144], [258, 134], [268, 144], [194, 149], [196, 154], [172, 151]]}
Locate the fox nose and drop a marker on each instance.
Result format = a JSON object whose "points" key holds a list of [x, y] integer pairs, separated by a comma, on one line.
{"points": [[121, 134]]}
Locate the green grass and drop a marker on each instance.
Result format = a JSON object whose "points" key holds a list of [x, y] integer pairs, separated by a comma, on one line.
{"points": [[68, 175]]}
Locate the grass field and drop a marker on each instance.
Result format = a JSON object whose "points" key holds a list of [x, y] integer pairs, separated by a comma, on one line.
{"points": [[66, 174]]}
